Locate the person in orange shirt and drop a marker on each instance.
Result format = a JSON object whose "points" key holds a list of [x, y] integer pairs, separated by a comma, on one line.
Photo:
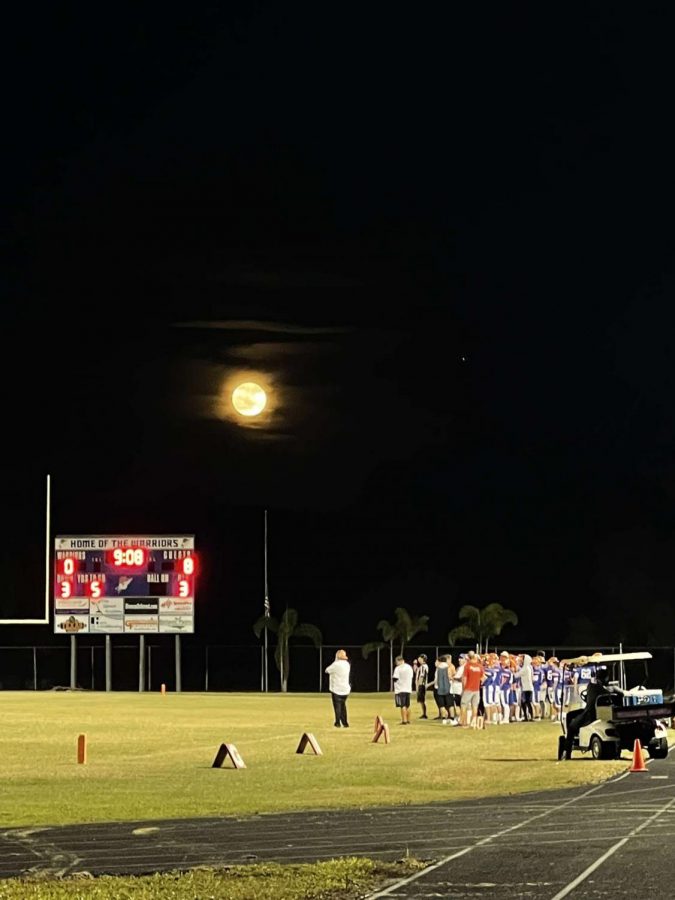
{"points": [[472, 678]]}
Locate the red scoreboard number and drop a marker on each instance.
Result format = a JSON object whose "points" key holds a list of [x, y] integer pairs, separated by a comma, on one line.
{"points": [[186, 568], [66, 567]]}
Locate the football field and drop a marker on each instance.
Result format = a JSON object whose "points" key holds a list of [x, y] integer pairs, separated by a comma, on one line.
{"points": [[149, 756]]}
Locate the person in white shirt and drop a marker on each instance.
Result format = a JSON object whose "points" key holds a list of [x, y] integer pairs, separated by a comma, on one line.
{"points": [[403, 684], [339, 687], [457, 685]]}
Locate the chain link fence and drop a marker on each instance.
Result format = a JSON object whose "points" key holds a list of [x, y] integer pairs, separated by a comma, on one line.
{"points": [[240, 667]]}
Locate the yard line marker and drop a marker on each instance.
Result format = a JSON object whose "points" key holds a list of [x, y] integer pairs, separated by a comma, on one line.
{"points": [[225, 751], [382, 731], [306, 740]]}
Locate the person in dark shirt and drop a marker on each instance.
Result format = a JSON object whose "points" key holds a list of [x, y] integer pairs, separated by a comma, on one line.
{"points": [[576, 719], [421, 676]]}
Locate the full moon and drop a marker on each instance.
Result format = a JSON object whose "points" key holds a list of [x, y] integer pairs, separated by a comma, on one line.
{"points": [[249, 399]]}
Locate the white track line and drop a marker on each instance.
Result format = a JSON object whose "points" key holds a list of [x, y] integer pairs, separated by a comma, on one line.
{"points": [[612, 850], [486, 840]]}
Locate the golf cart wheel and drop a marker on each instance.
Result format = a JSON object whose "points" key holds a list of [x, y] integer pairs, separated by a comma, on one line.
{"points": [[659, 750], [602, 749]]}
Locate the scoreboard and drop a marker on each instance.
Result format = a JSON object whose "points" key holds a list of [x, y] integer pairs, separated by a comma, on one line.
{"points": [[115, 584]]}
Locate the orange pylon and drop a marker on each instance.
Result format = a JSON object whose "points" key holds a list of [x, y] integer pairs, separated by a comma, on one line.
{"points": [[638, 758]]}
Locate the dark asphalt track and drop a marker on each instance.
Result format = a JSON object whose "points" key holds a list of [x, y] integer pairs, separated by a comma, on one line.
{"points": [[618, 838]]}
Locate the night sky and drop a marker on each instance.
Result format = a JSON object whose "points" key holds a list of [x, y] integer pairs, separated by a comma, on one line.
{"points": [[444, 236]]}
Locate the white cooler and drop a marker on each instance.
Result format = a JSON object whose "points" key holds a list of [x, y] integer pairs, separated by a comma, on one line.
{"points": [[640, 696]]}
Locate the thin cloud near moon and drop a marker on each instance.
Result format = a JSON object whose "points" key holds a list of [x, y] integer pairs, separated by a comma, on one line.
{"points": [[255, 325], [326, 387]]}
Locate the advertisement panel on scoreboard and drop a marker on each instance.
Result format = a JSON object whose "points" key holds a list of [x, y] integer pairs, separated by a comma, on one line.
{"points": [[115, 584]]}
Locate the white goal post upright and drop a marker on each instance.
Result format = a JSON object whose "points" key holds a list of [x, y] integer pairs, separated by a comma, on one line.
{"points": [[48, 540]]}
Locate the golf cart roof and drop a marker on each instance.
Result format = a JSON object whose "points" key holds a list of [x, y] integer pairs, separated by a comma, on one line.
{"points": [[601, 659]]}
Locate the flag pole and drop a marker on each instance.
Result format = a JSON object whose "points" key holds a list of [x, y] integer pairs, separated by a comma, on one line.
{"points": [[267, 613]]}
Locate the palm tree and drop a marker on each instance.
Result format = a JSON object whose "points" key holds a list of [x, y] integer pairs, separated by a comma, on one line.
{"points": [[482, 624], [286, 628], [407, 626], [403, 629]]}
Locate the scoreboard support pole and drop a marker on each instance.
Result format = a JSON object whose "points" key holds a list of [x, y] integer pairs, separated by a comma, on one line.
{"points": [[179, 681], [141, 663], [73, 662], [108, 664]]}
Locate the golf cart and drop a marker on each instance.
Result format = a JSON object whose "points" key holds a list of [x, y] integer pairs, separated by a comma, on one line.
{"points": [[621, 718]]}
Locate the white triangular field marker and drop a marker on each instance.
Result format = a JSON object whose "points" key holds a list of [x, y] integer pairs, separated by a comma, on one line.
{"points": [[225, 751], [308, 740]]}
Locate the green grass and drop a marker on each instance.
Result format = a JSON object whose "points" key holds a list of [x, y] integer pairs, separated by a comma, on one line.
{"points": [[149, 757], [338, 878]]}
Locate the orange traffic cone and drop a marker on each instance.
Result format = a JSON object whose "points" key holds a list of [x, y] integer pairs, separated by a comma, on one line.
{"points": [[638, 758]]}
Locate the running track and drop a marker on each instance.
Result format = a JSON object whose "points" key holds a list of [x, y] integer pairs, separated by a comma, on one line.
{"points": [[610, 841]]}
